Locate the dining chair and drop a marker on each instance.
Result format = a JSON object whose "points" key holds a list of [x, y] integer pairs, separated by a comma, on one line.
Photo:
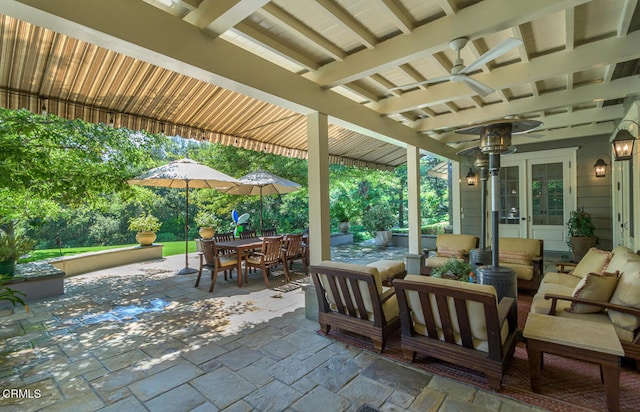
{"points": [[293, 250], [270, 255], [215, 262], [224, 237], [270, 232], [247, 234]]}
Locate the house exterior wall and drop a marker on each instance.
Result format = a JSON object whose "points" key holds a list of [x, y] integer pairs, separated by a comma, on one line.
{"points": [[594, 194]]}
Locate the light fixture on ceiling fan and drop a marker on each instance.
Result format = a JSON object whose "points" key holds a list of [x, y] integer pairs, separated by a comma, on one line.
{"points": [[460, 73]]}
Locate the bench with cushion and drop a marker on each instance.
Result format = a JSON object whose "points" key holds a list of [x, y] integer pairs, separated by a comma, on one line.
{"points": [[603, 287], [389, 270], [458, 322], [352, 298], [525, 257]]}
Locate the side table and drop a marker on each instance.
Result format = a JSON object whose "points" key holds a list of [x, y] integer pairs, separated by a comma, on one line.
{"points": [[577, 339]]}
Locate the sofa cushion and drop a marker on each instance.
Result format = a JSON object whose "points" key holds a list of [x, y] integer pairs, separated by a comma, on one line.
{"points": [[475, 310], [621, 256], [627, 293], [594, 286], [593, 261], [517, 257], [524, 272], [564, 279], [541, 305]]}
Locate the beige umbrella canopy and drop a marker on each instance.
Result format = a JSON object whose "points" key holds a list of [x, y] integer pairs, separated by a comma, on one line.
{"points": [[261, 183], [187, 174]]}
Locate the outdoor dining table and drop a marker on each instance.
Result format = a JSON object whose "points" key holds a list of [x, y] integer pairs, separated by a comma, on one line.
{"points": [[240, 247]]}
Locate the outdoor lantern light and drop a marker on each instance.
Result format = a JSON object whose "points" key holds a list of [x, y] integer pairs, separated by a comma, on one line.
{"points": [[471, 178], [623, 143], [601, 168]]}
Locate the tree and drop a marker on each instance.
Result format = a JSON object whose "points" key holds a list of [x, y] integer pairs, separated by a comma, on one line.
{"points": [[47, 163]]}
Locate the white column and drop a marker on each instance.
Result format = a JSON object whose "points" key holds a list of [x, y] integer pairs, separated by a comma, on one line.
{"points": [[413, 198], [319, 223]]}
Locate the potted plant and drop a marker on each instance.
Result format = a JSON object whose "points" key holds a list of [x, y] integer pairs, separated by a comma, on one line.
{"points": [[146, 225], [208, 223], [581, 232], [11, 248], [453, 269], [342, 212], [378, 219]]}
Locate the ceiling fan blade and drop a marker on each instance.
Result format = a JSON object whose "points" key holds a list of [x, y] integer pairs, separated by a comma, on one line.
{"points": [[434, 80], [478, 87], [499, 50]]}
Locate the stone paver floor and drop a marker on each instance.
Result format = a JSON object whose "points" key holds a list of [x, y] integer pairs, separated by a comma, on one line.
{"points": [[138, 338]]}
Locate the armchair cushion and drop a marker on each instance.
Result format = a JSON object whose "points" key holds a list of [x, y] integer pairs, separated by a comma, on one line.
{"points": [[517, 257], [437, 261], [443, 251], [475, 309], [594, 286], [455, 241], [524, 272]]}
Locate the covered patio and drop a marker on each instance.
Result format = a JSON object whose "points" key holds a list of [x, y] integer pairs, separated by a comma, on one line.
{"points": [[137, 337]]}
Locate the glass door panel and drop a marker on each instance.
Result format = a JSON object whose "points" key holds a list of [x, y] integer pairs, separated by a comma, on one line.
{"points": [[509, 195], [547, 194]]}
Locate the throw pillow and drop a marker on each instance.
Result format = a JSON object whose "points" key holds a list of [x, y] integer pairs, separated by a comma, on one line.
{"points": [[594, 286], [593, 262], [450, 252], [519, 258]]}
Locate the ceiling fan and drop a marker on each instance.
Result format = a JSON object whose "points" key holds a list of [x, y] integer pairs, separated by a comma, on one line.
{"points": [[460, 73]]}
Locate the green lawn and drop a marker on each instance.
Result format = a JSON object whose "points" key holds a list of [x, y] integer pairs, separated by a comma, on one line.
{"points": [[169, 249]]}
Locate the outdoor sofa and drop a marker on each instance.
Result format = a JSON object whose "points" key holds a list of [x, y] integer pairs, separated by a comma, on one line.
{"points": [[449, 246], [603, 287]]}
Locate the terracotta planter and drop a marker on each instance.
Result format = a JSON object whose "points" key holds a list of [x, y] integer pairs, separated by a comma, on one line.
{"points": [[580, 246], [206, 232], [145, 238]]}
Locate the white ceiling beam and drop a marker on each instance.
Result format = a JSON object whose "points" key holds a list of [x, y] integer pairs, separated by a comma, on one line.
{"points": [[627, 15], [473, 22], [586, 56], [153, 36], [396, 15], [301, 30], [615, 89], [449, 6], [255, 34], [348, 23], [596, 129], [218, 16], [570, 29]]}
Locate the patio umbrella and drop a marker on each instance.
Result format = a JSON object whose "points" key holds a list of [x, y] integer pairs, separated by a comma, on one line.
{"points": [[262, 183], [187, 174]]}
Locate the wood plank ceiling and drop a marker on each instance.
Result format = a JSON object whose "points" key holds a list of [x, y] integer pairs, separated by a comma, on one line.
{"points": [[247, 72]]}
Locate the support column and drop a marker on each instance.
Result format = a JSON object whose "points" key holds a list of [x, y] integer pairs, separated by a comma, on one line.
{"points": [[318, 163], [319, 223], [414, 258]]}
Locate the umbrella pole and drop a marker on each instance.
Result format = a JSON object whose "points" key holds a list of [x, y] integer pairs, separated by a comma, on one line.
{"points": [[186, 270], [260, 209]]}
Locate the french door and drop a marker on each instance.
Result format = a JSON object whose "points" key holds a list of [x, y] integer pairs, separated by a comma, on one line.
{"points": [[536, 196]]}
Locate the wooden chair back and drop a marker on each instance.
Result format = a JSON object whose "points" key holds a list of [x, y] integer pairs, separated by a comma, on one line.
{"points": [[224, 237], [272, 249], [247, 234], [209, 250], [269, 232], [294, 248]]}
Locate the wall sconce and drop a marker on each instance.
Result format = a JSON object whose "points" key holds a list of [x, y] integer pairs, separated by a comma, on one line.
{"points": [[471, 178], [600, 168], [622, 144]]}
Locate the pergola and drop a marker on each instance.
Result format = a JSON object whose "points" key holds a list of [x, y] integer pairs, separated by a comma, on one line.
{"points": [[325, 79]]}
